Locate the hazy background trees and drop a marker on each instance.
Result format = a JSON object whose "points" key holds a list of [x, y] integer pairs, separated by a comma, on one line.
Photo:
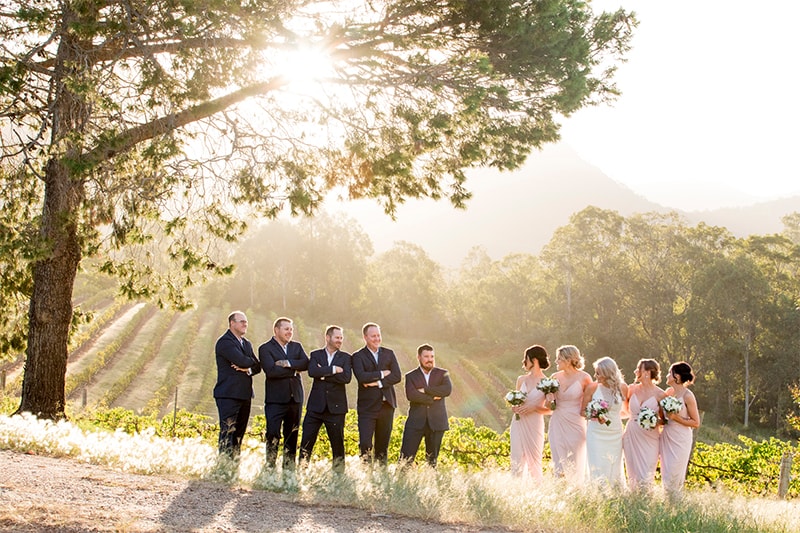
{"points": [[312, 267], [644, 286]]}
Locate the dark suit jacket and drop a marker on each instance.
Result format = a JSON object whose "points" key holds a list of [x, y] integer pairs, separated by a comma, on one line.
{"points": [[366, 371], [233, 383], [328, 389], [283, 385], [422, 405]]}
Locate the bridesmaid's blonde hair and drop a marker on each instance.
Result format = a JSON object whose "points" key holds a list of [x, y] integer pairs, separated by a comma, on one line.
{"points": [[572, 355], [607, 369]]}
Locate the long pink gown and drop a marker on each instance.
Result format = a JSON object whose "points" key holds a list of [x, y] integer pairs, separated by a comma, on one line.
{"points": [[641, 447], [604, 442], [527, 437], [567, 434], [676, 446]]}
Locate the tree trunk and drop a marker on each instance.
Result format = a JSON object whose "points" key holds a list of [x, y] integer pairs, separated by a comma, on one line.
{"points": [[50, 311]]}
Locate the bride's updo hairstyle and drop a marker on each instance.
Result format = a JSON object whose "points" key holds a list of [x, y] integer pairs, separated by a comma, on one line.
{"points": [[539, 354], [571, 355], [682, 371]]}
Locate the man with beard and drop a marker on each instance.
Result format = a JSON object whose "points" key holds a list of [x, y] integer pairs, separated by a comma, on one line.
{"points": [[426, 388]]}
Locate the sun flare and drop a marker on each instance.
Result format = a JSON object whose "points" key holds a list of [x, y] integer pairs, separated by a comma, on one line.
{"points": [[304, 68]]}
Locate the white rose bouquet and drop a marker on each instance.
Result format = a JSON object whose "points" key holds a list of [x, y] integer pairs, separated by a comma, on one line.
{"points": [[516, 397], [671, 405], [549, 386], [647, 418]]}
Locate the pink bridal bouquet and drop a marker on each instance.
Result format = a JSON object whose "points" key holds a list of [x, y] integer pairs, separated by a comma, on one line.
{"points": [[516, 397], [597, 410], [549, 386], [670, 405], [647, 418]]}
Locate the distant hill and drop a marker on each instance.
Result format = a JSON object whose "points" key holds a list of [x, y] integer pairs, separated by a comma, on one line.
{"points": [[762, 218], [518, 211]]}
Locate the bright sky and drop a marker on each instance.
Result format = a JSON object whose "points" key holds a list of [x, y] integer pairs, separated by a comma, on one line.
{"points": [[710, 100]]}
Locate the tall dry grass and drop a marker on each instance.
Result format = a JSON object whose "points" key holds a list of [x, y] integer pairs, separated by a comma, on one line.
{"points": [[490, 497]]}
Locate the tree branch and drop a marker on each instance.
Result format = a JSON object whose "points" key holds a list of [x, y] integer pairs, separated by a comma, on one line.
{"points": [[128, 139], [109, 53]]}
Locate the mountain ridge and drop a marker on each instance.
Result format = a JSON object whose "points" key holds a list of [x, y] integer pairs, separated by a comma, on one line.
{"points": [[519, 211]]}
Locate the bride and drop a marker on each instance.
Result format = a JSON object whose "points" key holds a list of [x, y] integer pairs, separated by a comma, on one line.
{"points": [[604, 433]]}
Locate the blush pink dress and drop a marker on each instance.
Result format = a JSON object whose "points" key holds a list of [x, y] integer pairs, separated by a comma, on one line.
{"points": [[675, 448], [640, 447], [567, 434], [527, 437]]}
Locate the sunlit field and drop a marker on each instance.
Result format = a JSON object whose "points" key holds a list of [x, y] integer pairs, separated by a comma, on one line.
{"points": [[486, 497]]}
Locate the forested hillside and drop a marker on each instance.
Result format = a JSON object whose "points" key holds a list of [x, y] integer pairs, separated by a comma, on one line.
{"points": [[627, 287]]}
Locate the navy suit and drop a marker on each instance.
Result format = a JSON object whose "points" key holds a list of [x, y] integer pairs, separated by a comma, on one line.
{"points": [[426, 417], [327, 403], [233, 392], [283, 397], [375, 405]]}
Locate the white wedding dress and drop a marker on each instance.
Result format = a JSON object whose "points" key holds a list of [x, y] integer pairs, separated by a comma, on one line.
{"points": [[604, 443]]}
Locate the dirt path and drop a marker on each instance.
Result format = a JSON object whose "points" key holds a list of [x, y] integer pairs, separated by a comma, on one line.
{"points": [[45, 494]]}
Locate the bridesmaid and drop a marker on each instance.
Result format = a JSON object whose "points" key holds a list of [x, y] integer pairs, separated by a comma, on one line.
{"points": [[527, 433], [676, 437], [604, 441], [639, 444], [567, 430]]}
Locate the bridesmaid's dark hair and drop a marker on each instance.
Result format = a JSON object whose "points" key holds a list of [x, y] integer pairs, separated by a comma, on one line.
{"points": [[651, 366], [683, 371], [540, 354]]}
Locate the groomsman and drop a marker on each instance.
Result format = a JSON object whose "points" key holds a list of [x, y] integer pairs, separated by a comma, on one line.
{"points": [[282, 360], [331, 370], [233, 393], [377, 371], [426, 388]]}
